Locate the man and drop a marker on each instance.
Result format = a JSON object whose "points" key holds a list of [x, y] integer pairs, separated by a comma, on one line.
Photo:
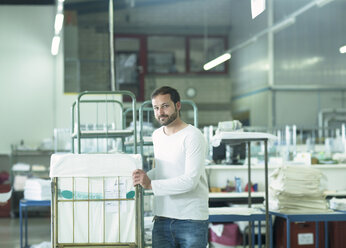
{"points": [[178, 180]]}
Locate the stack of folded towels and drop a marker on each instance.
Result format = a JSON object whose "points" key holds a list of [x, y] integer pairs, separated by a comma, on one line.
{"points": [[296, 189], [37, 189]]}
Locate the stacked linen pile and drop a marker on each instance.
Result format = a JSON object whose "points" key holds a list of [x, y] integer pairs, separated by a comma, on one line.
{"points": [[37, 189], [296, 189], [338, 204], [20, 170]]}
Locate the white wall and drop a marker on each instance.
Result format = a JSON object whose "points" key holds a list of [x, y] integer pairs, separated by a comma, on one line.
{"points": [[32, 100], [302, 107], [257, 105], [301, 63]]}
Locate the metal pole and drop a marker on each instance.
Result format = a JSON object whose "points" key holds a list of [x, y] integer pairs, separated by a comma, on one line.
{"points": [[72, 126], [249, 174], [249, 188], [78, 126], [111, 45], [266, 192]]}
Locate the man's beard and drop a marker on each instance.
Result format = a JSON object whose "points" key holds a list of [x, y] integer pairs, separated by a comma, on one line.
{"points": [[169, 120]]}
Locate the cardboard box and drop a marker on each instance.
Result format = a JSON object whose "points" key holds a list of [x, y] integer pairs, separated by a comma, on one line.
{"points": [[302, 234], [337, 234]]}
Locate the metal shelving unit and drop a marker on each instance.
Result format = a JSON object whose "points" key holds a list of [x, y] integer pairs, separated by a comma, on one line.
{"points": [[248, 137], [30, 157]]}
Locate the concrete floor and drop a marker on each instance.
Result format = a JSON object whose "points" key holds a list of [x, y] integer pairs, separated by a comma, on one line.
{"points": [[38, 231]]}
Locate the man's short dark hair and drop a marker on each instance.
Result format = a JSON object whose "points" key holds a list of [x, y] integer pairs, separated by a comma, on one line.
{"points": [[175, 97]]}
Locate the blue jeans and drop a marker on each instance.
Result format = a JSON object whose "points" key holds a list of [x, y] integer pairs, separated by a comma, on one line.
{"points": [[173, 233]]}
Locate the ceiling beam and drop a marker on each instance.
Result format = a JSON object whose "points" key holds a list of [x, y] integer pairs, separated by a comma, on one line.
{"points": [[94, 6], [27, 2]]}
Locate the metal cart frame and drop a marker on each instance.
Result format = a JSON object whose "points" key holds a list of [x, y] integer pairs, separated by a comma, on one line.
{"points": [[78, 134]]}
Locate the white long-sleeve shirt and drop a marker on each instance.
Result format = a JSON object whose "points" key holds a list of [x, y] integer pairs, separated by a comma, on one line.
{"points": [[179, 180]]}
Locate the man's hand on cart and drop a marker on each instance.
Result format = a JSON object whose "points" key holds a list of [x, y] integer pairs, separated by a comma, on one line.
{"points": [[141, 178]]}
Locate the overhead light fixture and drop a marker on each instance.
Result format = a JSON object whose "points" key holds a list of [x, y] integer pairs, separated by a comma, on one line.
{"points": [[342, 49], [257, 7], [60, 8], [55, 45], [284, 24], [59, 20], [226, 56], [58, 24], [217, 61], [321, 3]]}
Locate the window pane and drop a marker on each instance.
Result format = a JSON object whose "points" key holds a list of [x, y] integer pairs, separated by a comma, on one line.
{"points": [[86, 54], [126, 60], [127, 64], [203, 50], [166, 54]]}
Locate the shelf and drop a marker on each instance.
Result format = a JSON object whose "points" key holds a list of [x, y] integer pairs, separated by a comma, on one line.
{"points": [[236, 195], [260, 167], [240, 137], [329, 166], [232, 195], [144, 144], [33, 152], [238, 167], [38, 166], [330, 194], [247, 137], [234, 211], [147, 140], [230, 214], [104, 134], [147, 143]]}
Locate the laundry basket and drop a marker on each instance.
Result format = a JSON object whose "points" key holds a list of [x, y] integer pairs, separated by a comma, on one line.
{"points": [[94, 202]]}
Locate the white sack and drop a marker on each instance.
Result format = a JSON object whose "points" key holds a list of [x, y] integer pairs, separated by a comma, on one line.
{"points": [[95, 176], [94, 165]]}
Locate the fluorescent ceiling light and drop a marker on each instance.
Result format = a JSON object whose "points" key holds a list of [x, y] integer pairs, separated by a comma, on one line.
{"points": [[59, 19], [55, 45], [302, 63], [342, 49], [60, 7], [321, 3], [284, 24], [257, 7], [217, 61]]}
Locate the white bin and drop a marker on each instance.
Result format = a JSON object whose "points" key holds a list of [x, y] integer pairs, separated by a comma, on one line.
{"points": [[94, 202]]}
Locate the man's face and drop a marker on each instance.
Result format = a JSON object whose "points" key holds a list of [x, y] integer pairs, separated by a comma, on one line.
{"points": [[164, 109]]}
